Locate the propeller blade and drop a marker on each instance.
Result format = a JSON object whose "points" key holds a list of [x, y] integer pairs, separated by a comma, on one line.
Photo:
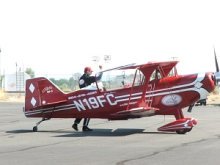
{"points": [[217, 73], [216, 62], [217, 76]]}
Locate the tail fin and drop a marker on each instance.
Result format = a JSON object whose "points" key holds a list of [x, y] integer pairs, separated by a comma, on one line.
{"points": [[42, 92]]}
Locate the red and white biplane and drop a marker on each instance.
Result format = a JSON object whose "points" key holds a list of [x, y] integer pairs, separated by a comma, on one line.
{"points": [[125, 92]]}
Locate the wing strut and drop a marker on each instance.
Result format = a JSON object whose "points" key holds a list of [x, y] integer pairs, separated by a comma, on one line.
{"points": [[132, 87]]}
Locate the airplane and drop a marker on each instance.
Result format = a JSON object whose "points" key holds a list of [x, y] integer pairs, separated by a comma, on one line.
{"points": [[125, 92]]}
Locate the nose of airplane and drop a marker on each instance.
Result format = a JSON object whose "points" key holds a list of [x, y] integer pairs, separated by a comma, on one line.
{"points": [[209, 82]]}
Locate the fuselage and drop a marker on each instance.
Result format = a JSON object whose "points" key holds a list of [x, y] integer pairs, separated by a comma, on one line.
{"points": [[165, 94]]}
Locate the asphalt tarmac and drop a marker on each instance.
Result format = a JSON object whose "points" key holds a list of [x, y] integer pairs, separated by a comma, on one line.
{"points": [[135, 141]]}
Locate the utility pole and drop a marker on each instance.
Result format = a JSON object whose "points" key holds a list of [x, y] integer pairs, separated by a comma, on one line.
{"points": [[0, 70], [16, 76]]}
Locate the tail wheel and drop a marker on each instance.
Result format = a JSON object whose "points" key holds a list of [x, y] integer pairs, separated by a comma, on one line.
{"points": [[35, 129]]}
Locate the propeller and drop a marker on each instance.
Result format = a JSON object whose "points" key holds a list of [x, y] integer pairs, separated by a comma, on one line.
{"points": [[217, 73], [216, 62], [216, 78]]}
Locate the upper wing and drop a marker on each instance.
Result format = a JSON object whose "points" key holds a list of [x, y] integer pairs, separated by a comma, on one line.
{"points": [[165, 67]]}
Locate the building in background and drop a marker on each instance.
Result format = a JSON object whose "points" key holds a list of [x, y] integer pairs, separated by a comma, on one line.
{"points": [[15, 82]]}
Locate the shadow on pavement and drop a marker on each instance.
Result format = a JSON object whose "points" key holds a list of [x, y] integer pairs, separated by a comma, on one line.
{"points": [[111, 132], [95, 132], [104, 132]]}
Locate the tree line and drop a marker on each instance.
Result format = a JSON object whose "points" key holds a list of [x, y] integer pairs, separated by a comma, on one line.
{"points": [[65, 84]]}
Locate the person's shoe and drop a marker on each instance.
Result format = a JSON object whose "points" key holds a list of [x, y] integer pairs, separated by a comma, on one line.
{"points": [[74, 126], [85, 128]]}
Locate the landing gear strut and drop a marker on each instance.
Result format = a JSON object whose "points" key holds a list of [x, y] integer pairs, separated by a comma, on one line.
{"points": [[35, 129]]}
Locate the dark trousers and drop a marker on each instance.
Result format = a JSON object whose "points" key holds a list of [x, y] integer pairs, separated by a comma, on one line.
{"points": [[85, 122]]}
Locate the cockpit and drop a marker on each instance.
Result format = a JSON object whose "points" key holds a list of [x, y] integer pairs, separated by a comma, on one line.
{"points": [[118, 79]]}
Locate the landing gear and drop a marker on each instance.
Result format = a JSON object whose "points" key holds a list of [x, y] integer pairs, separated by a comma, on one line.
{"points": [[180, 126], [35, 129], [183, 131]]}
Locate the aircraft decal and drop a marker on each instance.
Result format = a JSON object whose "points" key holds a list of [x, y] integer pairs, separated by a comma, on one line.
{"points": [[171, 100], [199, 78], [33, 101], [51, 109], [48, 89], [82, 95], [94, 102], [32, 88], [126, 103]]}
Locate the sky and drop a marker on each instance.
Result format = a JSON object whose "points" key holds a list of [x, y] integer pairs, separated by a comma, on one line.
{"points": [[57, 38]]}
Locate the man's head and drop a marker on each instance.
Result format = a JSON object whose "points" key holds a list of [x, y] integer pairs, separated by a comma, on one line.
{"points": [[88, 70]]}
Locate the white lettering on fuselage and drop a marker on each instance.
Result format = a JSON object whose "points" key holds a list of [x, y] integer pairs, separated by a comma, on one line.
{"points": [[110, 99], [94, 102]]}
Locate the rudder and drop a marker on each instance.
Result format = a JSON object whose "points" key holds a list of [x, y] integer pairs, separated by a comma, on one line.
{"points": [[41, 92]]}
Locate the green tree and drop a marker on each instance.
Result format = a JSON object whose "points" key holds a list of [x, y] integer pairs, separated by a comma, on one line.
{"points": [[67, 85], [30, 72], [63, 84]]}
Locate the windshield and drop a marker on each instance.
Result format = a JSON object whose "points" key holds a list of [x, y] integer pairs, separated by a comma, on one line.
{"points": [[118, 79]]}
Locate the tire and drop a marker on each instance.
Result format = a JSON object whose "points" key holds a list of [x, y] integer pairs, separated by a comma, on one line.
{"points": [[35, 129], [182, 131]]}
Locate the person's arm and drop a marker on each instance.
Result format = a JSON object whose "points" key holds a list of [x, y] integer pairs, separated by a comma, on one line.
{"points": [[92, 79], [99, 74]]}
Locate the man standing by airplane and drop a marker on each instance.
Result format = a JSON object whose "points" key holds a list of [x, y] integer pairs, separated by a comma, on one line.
{"points": [[85, 80]]}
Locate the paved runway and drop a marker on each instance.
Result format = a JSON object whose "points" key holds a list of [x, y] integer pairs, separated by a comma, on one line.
{"points": [[111, 143]]}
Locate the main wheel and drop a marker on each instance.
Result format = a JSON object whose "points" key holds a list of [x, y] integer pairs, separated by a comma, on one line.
{"points": [[182, 131], [35, 129]]}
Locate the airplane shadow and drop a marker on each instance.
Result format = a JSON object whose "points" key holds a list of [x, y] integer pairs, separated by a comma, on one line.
{"points": [[19, 131], [95, 132], [104, 132], [22, 131], [110, 132]]}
